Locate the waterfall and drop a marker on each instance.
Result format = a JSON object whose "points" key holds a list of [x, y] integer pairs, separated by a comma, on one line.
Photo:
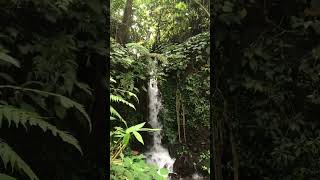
{"points": [[157, 155]]}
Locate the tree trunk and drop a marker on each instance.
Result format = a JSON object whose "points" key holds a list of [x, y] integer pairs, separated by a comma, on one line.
{"points": [[217, 152], [126, 23], [178, 113], [184, 123], [235, 157]]}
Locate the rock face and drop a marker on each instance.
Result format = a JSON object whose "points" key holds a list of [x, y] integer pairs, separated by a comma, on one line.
{"points": [[183, 166], [173, 176]]}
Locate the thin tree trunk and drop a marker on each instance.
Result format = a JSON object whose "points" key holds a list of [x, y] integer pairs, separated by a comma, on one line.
{"points": [[158, 35], [184, 123], [217, 150], [235, 157], [126, 23], [178, 113]]}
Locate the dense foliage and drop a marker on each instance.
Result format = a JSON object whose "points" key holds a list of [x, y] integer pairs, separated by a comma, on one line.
{"points": [[52, 65], [140, 34], [266, 100], [187, 84]]}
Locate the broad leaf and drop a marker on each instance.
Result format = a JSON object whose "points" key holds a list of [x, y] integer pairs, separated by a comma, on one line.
{"points": [[126, 139], [135, 128], [138, 136]]}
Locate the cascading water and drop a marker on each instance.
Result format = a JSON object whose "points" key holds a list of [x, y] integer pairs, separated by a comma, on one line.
{"points": [[157, 155]]}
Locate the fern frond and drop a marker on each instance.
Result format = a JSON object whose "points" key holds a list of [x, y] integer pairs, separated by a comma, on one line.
{"points": [[128, 92], [112, 80], [7, 58], [7, 77], [20, 116], [114, 98], [84, 87], [138, 47], [8, 155], [114, 112], [6, 177], [27, 83], [66, 102], [160, 57]]}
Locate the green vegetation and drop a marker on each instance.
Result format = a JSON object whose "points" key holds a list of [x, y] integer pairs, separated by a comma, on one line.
{"points": [[176, 35], [266, 100], [51, 54], [134, 167], [127, 167], [56, 88]]}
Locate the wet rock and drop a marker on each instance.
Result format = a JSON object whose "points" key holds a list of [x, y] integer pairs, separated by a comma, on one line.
{"points": [[183, 166], [173, 176]]}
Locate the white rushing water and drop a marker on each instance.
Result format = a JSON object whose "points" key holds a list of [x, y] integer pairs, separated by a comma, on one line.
{"points": [[157, 155]]}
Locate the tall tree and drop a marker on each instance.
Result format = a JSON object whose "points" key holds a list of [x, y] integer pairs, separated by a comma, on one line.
{"points": [[126, 23]]}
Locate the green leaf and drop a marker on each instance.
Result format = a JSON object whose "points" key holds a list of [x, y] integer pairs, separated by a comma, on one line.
{"points": [[138, 136], [60, 112], [23, 117], [149, 129], [135, 128], [114, 98], [9, 59], [117, 114], [6, 177], [84, 87], [8, 155], [164, 171], [126, 139], [112, 80], [128, 92], [181, 6], [66, 102], [159, 178], [7, 77], [243, 13]]}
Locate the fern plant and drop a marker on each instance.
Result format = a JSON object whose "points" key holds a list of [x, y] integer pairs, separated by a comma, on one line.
{"points": [[6, 177], [65, 102], [5, 57], [115, 97], [8, 155], [21, 117], [25, 118]]}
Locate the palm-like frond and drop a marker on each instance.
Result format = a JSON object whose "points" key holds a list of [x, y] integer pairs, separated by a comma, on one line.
{"points": [[7, 58], [6, 177], [23, 117], [160, 57], [117, 98], [137, 47], [130, 94], [7, 77], [115, 113], [66, 102], [8, 155]]}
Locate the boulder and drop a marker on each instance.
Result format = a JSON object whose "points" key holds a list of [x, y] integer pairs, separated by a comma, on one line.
{"points": [[183, 166]]}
